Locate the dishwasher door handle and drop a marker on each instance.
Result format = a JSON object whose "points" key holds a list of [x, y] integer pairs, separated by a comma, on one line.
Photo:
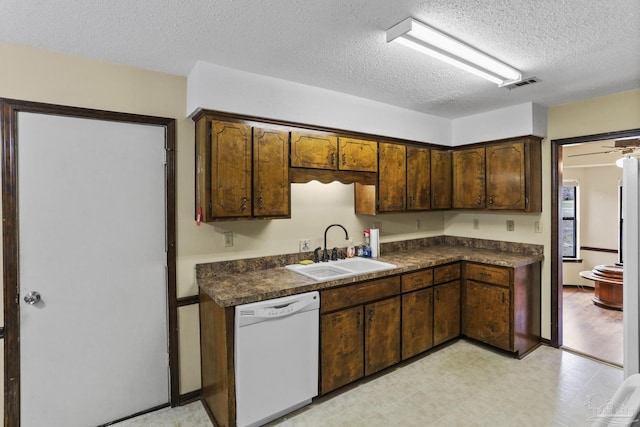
{"points": [[275, 311]]}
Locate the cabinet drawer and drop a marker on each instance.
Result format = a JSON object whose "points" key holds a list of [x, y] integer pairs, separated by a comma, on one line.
{"points": [[488, 274], [446, 273], [360, 293], [417, 280]]}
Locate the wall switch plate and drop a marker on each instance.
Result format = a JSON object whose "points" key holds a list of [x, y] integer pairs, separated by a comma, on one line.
{"points": [[476, 223], [228, 239], [537, 227], [305, 245], [510, 225]]}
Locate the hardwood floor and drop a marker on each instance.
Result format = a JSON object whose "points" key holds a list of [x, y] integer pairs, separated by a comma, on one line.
{"points": [[589, 329]]}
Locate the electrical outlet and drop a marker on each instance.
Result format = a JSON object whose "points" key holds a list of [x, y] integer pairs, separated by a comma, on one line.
{"points": [[228, 239], [510, 225], [378, 225], [305, 245], [476, 223], [537, 227]]}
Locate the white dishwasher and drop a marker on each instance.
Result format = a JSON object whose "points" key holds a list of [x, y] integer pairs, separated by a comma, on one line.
{"points": [[276, 357]]}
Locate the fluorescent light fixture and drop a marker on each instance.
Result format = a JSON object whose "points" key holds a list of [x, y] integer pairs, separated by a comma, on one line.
{"points": [[432, 42]]}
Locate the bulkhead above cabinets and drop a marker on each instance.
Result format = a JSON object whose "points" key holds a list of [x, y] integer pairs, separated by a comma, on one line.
{"points": [[245, 165]]}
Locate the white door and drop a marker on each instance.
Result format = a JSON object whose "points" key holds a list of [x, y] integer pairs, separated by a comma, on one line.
{"points": [[92, 244]]}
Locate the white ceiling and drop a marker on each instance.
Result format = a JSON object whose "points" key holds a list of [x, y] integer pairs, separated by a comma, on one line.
{"points": [[578, 48]]}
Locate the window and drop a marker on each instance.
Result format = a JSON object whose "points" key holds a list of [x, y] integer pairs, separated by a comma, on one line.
{"points": [[569, 221]]}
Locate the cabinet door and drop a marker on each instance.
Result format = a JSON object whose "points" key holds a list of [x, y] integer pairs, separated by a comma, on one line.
{"points": [[440, 179], [341, 348], [446, 312], [230, 170], [469, 178], [506, 176], [314, 151], [418, 178], [271, 173], [382, 335], [417, 322], [487, 309], [392, 179], [358, 155]]}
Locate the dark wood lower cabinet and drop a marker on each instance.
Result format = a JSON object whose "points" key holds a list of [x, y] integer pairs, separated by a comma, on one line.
{"points": [[381, 335], [359, 331], [501, 306], [446, 312], [417, 322], [342, 353], [487, 310]]}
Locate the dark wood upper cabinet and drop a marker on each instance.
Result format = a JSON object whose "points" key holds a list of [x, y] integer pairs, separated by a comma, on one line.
{"points": [[418, 178], [316, 151], [392, 177], [469, 178], [357, 155], [230, 170], [242, 172], [271, 188], [441, 179], [514, 176]]}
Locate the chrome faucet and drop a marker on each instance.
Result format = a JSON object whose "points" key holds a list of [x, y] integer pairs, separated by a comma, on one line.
{"points": [[325, 253]]}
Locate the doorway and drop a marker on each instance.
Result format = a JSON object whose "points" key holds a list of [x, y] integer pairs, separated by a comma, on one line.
{"points": [[91, 131], [579, 299]]}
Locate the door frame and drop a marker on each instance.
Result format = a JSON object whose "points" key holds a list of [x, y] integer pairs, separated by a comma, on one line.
{"points": [[9, 109], [556, 235]]}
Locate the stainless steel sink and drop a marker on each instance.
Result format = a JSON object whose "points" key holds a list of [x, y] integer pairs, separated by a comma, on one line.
{"points": [[333, 270]]}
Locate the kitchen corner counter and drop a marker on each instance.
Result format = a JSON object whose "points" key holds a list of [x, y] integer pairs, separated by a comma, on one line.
{"points": [[231, 283]]}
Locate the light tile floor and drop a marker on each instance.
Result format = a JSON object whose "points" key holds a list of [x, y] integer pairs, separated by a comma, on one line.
{"points": [[463, 384]]}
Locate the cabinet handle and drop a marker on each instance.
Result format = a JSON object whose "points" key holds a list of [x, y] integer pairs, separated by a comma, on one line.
{"points": [[244, 203], [410, 201], [479, 200], [344, 160], [403, 203], [358, 320], [370, 315], [503, 297], [431, 297], [438, 294], [260, 204], [333, 159], [435, 200], [490, 200]]}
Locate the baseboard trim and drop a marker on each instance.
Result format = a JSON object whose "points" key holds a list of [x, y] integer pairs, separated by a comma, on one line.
{"points": [[190, 397]]}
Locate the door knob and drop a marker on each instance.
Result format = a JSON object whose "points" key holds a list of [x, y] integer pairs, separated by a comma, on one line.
{"points": [[32, 297]]}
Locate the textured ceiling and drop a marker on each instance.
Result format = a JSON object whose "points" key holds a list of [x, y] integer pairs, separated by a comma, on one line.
{"points": [[578, 48]]}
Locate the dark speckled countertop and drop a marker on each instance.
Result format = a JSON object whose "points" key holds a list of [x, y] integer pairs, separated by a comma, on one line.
{"points": [[231, 283]]}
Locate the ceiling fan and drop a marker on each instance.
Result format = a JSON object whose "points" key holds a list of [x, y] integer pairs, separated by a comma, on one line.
{"points": [[622, 146]]}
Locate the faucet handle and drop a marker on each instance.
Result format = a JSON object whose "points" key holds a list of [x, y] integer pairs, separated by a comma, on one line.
{"points": [[316, 256], [334, 254]]}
